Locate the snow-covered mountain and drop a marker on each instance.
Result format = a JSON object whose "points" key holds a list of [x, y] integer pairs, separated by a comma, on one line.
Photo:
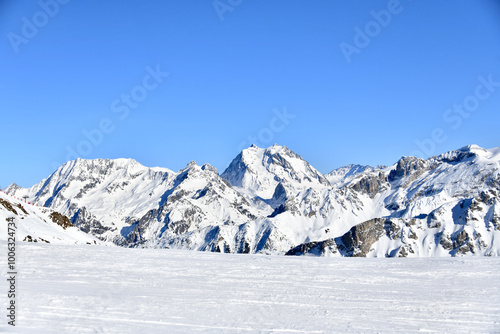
{"points": [[270, 200], [445, 205], [100, 196], [32, 223]]}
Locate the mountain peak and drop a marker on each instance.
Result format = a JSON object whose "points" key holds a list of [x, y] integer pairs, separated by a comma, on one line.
{"points": [[261, 169], [120, 162], [472, 148], [341, 175], [12, 188], [406, 166], [209, 167], [466, 153], [278, 148]]}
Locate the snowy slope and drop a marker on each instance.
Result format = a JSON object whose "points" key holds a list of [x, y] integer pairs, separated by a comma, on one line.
{"points": [[343, 175], [172, 291], [273, 201], [38, 224]]}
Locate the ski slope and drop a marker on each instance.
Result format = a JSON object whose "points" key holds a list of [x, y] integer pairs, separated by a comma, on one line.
{"points": [[97, 289]]}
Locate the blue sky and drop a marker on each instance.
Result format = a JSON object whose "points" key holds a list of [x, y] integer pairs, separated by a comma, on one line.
{"points": [[89, 79]]}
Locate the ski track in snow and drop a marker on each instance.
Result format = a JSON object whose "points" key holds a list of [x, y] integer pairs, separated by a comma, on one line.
{"points": [[96, 289]]}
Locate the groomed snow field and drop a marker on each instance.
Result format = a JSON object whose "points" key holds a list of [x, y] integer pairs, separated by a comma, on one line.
{"points": [[106, 289]]}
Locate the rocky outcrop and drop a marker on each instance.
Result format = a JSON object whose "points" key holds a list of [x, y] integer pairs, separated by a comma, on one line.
{"points": [[407, 166], [88, 223], [371, 184], [60, 220], [318, 248], [358, 241]]}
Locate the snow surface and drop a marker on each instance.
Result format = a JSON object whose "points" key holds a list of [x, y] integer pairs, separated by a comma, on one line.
{"points": [[97, 289], [34, 222]]}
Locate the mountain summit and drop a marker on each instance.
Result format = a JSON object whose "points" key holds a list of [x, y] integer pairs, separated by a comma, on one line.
{"points": [[260, 170]]}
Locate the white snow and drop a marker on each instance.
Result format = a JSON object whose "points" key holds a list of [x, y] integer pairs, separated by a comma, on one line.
{"points": [[96, 289], [35, 222]]}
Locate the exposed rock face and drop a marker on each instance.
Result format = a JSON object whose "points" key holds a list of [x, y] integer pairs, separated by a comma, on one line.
{"points": [[407, 166], [88, 223], [314, 248], [371, 184], [29, 238], [60, 220], [357, 242], [360, 238], [7, 205], [280, 195]]}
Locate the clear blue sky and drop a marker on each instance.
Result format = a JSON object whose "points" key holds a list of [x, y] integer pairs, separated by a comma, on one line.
{"points": [[231, 68]]}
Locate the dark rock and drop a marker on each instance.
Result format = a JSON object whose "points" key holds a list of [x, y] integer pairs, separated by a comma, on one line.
{"points": [[60, 220], [371, 184], [460, 239], [443, 240], [358, 241], [7, 205], [405, 167], [86, 222], [314, 248]]}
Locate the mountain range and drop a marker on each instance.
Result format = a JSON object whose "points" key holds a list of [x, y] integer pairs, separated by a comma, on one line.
{"points": [[272, 201]]}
